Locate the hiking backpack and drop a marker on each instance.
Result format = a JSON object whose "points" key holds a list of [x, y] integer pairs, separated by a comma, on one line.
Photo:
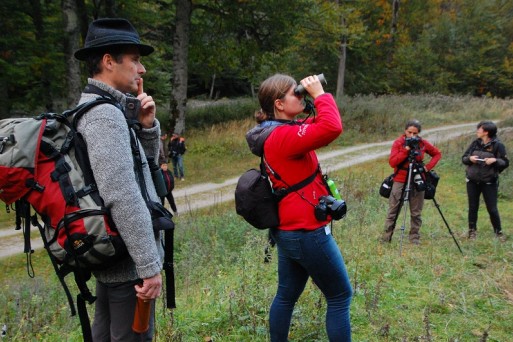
{"points": [[44, 162], [44, 165]]}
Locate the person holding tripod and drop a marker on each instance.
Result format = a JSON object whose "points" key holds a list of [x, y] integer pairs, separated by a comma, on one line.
{"points": [[485, 159], [407, 159]]}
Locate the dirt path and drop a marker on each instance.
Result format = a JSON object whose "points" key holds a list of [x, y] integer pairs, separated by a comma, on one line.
{"points": [[206, 194]]}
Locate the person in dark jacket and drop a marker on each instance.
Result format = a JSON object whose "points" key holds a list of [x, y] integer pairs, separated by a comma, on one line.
{"points": [[176, 151], [485, 159], [399, 160], [169, 180], [306, 247]]}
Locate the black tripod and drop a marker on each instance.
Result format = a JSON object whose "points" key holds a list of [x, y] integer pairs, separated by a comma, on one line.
{"points": [[405, 197]]}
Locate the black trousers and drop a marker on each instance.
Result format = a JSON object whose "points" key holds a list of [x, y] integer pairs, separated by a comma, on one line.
{"points": [[490, 192]]}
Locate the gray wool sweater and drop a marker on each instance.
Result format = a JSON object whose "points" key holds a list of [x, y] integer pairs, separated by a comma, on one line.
{"points": [[106, 134]]}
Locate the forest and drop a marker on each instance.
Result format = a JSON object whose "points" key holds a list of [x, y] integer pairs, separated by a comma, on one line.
{"points": [[213, 49]]}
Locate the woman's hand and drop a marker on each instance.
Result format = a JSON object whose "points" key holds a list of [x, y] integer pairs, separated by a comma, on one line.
{"points": [[313, 86], [490, 161], [474, 159]]}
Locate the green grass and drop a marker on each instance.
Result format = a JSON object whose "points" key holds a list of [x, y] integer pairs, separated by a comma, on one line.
{"points": [[224, 289]]}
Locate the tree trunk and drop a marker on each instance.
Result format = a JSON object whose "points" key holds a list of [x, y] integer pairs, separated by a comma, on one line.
{"points": [[341, 75], [45, 77], [212, 86], [71, 44], [393, 30], [110, 9], [341, 66], [178, 101]]}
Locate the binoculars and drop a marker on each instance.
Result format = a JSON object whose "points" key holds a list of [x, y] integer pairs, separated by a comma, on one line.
{"points": [[300, 90]]}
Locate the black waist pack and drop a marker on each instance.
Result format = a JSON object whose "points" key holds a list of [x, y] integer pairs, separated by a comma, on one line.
{"points": [[386, 186], [431, 181], [255, 200]]}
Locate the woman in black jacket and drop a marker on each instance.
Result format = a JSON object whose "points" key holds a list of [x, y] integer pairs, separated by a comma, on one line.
{"points": [[485, 159]]}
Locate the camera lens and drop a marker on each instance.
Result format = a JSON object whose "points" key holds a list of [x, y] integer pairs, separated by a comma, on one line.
{"points": [[419, 183]]}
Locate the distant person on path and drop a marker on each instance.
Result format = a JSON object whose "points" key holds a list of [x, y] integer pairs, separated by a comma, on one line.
{"points": [[306, 248], [112, 52], [176, 151], [163, 149], [485, 159], [409, 146], [169, 180]]}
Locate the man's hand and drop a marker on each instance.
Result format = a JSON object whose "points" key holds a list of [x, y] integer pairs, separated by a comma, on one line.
{"points": [[148, 107], [150, 288]]}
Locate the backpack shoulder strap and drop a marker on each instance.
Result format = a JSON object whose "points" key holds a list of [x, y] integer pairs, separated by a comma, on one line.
{"points": [[281, 193]]}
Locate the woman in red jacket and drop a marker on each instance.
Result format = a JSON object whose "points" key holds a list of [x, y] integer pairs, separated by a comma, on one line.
{"points": [[306, 247], [408, 148]]}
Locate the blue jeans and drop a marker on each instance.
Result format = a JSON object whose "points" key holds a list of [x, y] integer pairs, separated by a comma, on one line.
{"points": [[304, 254], [178, 166]]}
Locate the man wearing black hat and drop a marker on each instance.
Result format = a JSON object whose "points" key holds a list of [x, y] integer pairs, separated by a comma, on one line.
{"points": [[112, 52]]}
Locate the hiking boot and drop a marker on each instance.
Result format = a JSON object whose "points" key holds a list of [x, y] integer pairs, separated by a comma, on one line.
{"points": [[472, 234], [501, 236], [386, 238]]}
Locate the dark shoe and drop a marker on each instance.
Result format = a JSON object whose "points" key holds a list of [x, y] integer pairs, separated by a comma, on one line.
{"points": [[472, 234], [386, 237], [501, 236]]}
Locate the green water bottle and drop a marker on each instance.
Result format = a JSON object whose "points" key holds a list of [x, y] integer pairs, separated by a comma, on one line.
{"points": [[333, 189]]}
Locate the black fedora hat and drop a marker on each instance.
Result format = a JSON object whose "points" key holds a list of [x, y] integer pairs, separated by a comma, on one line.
{"points": [[108, 32]]}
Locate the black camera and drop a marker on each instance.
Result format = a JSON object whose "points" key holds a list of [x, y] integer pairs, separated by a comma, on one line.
{"points": [[329, 205], [132, 107], [418, 181], [413, 143]]}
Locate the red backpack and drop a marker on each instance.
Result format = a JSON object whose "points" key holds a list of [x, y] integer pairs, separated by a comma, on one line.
{"points": [[44, 165]]}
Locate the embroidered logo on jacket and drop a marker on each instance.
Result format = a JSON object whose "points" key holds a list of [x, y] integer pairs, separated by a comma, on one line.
{"points": [[302, 130]]}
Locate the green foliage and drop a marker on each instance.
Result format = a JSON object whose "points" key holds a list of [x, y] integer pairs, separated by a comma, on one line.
{"points": [[456, 47]]}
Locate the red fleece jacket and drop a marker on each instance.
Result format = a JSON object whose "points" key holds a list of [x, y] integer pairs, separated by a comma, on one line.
{"points": [[290, 151], [399, 153]]}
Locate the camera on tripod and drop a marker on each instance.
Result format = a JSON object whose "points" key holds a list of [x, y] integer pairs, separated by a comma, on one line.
{"points": [[329, 205], [413, 143], [418, 181]]}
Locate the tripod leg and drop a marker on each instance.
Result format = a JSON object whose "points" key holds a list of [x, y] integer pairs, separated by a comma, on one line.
{"points": [[447, 225], [403, 227], [406, 198]]}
